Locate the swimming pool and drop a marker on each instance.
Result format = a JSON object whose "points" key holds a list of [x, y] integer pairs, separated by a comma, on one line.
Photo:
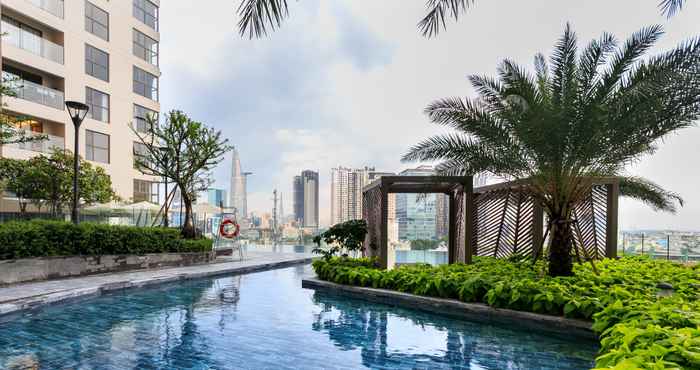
{"points": [[266, 321]]}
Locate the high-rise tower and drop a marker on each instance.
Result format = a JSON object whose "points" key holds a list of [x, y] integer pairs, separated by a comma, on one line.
{"points": [[238, 195], [306, 199]]}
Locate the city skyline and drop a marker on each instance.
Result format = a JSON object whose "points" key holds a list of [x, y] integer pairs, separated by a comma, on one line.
{"points": [[309, 114]]}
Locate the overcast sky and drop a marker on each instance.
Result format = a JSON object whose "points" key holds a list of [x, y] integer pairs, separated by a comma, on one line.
{"points": [[346, 82]]}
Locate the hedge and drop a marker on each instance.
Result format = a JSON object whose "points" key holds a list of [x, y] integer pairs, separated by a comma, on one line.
{"points": [[41, 238], [639, 325]]}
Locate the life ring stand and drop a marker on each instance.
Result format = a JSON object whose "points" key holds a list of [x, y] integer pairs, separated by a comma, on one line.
{"points": [[226, 234]]}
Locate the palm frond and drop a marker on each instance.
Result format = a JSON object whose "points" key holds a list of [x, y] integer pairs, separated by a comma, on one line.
{"points": [[650, 193], [471, 156], [669, 8], [437, 11], [563, 62], [258, 15], [624, 59]]}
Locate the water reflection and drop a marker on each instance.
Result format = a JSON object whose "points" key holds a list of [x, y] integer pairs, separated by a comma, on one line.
{"points": [[264, 321], [394, 337]]}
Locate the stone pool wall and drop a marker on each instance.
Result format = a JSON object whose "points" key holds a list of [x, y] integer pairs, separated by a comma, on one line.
{"points": [[476, 312], [44, 268]]}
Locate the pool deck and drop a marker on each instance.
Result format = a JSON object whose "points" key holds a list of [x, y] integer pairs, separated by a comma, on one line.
{"points": [[26, 296]]}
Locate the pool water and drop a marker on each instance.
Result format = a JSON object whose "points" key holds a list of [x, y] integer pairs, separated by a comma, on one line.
{"points": [[266, 321]]}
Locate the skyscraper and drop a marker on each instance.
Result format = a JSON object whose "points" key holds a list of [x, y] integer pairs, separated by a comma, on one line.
{"points": [[298, 200], [416, 214], [102, 53], [346, 193], [306, 199], [239, 181]]}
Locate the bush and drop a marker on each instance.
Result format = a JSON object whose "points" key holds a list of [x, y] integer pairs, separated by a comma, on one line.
{"points": [[40, 238], [639, 327]]}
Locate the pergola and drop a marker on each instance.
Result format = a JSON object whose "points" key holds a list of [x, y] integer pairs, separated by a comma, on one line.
{"points": [[498, 220], [375, 198]]}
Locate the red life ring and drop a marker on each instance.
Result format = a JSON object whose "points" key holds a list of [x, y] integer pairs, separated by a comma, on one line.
{"points": [[223, 230]]}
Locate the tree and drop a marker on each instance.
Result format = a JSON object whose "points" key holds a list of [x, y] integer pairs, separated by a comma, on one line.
{"points": [[50, 179], [182, 151], [581, 116], [257, 15], [348, 235], [22, 180]]}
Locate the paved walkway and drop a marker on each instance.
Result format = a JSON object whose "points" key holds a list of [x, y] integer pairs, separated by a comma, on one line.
{"points": [[20, 297]]}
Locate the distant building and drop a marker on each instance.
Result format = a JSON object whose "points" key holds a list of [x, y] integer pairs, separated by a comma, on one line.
{"points": [[239, 184], [346, 193], [298, 200], [306, 199], [416, 214], [216, 197]]}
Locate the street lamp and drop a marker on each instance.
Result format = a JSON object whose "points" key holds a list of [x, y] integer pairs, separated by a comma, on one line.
{"points": [[77, 112]]}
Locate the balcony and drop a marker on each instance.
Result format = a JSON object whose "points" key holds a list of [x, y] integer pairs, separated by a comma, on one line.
{"points": [[32, 43], [34, 92], [42, 146], [54, 7]]}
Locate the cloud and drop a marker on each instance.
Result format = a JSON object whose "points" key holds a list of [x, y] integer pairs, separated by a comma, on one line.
{"points": [[346, 82]]}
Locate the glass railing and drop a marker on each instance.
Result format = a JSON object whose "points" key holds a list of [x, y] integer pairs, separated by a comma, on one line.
{"points": [[32, 43], [54, 7], [41, 146], [34, 92]]}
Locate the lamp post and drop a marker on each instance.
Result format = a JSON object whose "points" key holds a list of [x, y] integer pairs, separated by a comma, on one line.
{"points": [[77, 112]]}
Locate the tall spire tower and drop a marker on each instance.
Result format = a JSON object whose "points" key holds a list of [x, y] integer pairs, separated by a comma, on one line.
{"points": [[238, 194]]}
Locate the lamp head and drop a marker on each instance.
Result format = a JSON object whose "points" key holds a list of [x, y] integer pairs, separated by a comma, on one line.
{"points": [[77, 110]]}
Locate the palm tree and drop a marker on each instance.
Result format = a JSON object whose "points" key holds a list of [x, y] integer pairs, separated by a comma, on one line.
{"points": [[258, 15], [581, 116]]}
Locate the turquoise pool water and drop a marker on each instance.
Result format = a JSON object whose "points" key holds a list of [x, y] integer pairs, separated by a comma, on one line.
{"points": [[266, 321]]}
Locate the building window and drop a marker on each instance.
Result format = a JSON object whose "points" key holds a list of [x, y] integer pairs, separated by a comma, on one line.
{"points": [[145, 84], [140, 152], [96, 21], [145, 191], [96, 146], [141, 116], [146, 12], [96, 63], [145, 48], [99, 104]]}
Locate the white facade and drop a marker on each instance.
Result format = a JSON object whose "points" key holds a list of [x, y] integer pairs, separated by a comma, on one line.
{"points": [[103, 53], [346, 193]]}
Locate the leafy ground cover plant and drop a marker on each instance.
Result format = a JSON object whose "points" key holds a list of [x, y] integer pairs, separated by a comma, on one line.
{"points": [[641, 326]]}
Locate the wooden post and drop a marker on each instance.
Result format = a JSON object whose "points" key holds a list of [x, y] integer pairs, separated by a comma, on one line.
{"points": [[613, 191], [469, 218], [453, 244], [384, 229]]}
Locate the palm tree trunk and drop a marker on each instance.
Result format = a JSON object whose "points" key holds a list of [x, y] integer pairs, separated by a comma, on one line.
{"points": [[561, 242]]}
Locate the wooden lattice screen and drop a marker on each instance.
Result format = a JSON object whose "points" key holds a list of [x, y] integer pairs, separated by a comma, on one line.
{"points": [[508, 222]]}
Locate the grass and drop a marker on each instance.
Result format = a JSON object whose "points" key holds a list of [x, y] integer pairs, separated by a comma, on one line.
{"points": [[640, 325]]}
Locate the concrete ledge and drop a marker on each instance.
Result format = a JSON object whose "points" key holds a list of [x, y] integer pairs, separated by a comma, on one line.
{"points": [[45, 268], [476, 312], [10, 308]]}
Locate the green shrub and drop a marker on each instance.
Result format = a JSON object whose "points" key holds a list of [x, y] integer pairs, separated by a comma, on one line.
{"points": [[639, 328], [40, 238]]}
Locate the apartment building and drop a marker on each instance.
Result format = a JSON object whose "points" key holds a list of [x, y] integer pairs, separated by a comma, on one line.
{"points": [[100, 52]]}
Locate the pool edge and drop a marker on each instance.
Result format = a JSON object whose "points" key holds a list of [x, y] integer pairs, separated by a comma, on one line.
{"points": [[475, 312], [14, 308]]}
